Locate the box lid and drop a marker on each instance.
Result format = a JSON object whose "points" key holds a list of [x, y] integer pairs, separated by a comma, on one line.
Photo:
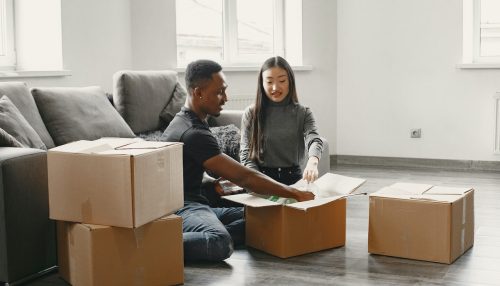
{"points": [[113, 146], [251, 200], [331, 185], [258, 202], [116, 142], [327, 188], [424, 192]]}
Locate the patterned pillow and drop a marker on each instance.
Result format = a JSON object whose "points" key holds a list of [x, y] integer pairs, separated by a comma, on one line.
{"points": [[228, 138]]}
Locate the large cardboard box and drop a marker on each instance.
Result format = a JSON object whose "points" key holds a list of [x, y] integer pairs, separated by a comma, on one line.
{"points": [[115, 181], [421, 222], [101, 255], [286, 230]]}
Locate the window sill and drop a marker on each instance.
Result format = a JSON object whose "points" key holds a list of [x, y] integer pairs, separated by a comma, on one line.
{"points": [[479, 66], [26, 74], [249, 68]]}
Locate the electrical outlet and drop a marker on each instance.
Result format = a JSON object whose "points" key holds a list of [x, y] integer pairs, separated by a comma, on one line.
{"points": [[415, 133]]}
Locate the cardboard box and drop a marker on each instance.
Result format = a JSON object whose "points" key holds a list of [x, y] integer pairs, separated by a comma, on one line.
{"points": [[115, 181], [298, 228], [422, 222], [102, 255]]}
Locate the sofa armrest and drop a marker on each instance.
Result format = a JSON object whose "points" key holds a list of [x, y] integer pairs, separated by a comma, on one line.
{"points": [[27, 236], [324, 162]]}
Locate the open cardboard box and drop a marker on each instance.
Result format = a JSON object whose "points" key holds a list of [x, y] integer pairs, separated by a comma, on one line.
{"points": [[301, 227], [420, 221], [125, 182]]}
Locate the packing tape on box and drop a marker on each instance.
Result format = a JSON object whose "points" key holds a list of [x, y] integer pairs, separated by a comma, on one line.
{"points": [[139, 276], [86, 209], [462, 236], [139, 236]]}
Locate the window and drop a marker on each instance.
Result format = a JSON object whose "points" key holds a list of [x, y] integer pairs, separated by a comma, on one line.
{"points": [[30, 36], [481, 31], [238, 32], [7, 56]]}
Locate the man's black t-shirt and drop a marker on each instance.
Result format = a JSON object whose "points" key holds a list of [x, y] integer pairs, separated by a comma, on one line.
{"points": [[199, 146]]}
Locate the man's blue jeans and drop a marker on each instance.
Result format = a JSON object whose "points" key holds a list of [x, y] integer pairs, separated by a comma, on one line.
{"points": [[211, 233]]}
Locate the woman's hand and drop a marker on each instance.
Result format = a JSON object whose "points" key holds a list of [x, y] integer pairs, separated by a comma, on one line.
{"points": [[311, 170]]}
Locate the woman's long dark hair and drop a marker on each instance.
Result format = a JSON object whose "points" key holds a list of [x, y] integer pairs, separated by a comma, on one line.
{"points": [[262, 102]]}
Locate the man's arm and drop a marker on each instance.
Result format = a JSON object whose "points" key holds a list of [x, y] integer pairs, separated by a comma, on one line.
{"points": [[252, 180]]}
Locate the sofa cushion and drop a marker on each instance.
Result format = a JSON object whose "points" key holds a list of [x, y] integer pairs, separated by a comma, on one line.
{"points": [[20, 95], [14, 124], [79, 113], [140, 97]]}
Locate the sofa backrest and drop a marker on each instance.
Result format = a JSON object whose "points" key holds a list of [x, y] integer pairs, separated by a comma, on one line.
{"points": [[143, 97], [20, 95]]}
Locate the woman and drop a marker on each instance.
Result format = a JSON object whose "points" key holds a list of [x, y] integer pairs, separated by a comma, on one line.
{"points": [[277, 130]]}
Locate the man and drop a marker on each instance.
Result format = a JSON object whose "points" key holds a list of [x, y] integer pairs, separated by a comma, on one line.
{"points": [[209, 233]]}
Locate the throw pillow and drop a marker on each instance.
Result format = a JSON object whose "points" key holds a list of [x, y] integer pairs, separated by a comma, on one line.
{"points": [[140, 97], [174, 105], [79, 113], [20, 95], [228, 138], [6, 140], [14, 124]]}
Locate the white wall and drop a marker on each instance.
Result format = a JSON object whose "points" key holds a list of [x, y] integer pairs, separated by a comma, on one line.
{"points": [[397, 70], [96, 40], [316, 88]]}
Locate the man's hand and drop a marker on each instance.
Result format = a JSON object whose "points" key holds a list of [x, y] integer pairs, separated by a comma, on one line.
{"points": [[311, 170], [302, 196]]}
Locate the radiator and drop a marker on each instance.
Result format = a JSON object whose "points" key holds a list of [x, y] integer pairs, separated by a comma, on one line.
{"points": [[238, 102], [497, 123]]}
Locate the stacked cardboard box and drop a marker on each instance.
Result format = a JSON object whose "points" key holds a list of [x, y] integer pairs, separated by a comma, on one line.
{"points": [[286, 230], [112, 197], [421, 222]]}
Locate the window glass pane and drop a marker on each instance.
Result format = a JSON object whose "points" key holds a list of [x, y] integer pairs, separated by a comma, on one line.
{"points": [[490, 28], [3, 23], [255, 27], [199, 30]]}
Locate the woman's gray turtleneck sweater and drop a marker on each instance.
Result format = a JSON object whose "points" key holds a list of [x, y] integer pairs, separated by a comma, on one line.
{"points": [[289, 129]]}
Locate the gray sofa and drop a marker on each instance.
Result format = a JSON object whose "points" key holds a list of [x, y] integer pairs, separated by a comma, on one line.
{"points": [[144, 103]]}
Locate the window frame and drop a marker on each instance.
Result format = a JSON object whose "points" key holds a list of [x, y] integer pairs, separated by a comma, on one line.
{"points": [[8, 60], [472, 34], [231, 58]]}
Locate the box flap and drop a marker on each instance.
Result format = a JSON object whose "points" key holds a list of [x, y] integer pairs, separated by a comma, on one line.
{"points": [[438, 190], [402, 189], [251, 200], [330, 185], [147, 145], [314, 203], [116, 142], [447, 198], [82, 147], [422, 192], [126, 152]]}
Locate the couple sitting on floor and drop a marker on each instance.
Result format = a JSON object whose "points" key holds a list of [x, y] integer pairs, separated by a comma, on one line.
{"points": [[273, 133]]}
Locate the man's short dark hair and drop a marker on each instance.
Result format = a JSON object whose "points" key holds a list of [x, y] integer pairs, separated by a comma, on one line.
{"points": [[199, 71]]}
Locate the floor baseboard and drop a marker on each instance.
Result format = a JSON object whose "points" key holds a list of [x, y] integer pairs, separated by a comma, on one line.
{"points": [[442, 164]]}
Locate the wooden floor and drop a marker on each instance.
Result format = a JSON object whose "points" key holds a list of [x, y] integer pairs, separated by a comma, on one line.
{"points": [[352, 265]]}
